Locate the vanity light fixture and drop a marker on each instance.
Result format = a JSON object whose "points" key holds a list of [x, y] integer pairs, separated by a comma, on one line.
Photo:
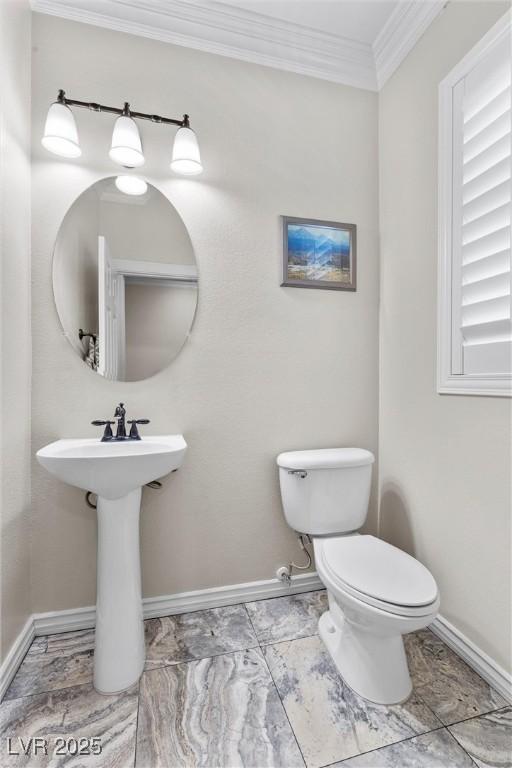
{"points": [[185, 153], [131, 185], [60, 132], [61, 135], [126, 146]]}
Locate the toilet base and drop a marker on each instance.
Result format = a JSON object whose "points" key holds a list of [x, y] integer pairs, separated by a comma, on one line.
{"points": [[375, 667]]}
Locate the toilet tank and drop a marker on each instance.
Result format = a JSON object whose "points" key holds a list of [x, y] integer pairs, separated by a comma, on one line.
{"points": [[325, 491]]}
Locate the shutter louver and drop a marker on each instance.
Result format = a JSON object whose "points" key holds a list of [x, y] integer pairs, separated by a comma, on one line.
{"points": [[482, 311]]}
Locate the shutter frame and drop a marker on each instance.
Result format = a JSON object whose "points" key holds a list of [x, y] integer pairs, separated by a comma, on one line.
{"points": [[454, 257]]}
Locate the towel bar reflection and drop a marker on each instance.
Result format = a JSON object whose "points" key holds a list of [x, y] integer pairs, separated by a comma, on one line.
{"points": [[84, 335]]}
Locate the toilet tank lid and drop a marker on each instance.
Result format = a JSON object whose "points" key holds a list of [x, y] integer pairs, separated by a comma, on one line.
{"points": [[325, 458]]}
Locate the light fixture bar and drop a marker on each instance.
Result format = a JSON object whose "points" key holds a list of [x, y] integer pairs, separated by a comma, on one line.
{"points": [[126, 111]]}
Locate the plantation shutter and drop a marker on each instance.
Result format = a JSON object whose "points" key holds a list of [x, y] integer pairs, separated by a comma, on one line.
{"points": [[482, 186]]}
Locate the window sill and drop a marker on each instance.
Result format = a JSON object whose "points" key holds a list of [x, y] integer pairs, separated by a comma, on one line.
{"points": [[499, 386]]}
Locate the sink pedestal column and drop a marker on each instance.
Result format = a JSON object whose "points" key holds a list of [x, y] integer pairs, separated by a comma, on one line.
{"points": [[119, 652]]}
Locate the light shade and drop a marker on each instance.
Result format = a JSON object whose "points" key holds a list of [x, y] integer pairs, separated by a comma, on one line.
{"points": [[126, 146], [60, 133], [186, 158], [131, 185]]}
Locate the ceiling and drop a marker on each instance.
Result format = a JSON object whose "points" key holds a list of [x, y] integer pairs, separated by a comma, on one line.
{"points": [[354, 42], [359, 20]]}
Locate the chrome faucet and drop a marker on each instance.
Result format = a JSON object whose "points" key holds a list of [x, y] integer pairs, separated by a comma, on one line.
{"points": [[120, 415]]}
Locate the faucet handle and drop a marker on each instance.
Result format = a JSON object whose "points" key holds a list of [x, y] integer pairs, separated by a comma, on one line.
{"points": [[134, 432], [107, 434]]}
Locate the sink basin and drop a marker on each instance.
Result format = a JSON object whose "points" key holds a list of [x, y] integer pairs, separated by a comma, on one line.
{"points": [[112, 469], [116, 472]]}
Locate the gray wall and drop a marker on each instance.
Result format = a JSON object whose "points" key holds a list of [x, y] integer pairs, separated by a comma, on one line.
{"points": [[15, 338], [266, 368], [444, 459]]}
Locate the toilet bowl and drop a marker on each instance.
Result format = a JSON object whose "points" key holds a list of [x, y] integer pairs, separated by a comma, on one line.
{"points": [[377, 593]]}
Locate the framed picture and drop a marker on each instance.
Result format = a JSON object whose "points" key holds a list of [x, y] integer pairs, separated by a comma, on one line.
{"points": [[319, 254]]}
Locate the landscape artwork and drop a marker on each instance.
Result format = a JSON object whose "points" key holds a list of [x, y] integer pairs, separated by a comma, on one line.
{"points": [[319, 254]]}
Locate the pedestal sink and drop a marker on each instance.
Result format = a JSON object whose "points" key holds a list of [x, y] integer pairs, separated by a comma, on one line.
{"points": [[116, 472]]}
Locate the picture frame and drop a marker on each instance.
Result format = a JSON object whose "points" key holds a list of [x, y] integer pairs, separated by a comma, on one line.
{"points": [[319, 254]]}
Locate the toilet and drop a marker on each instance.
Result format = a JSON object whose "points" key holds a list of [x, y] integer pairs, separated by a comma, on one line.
{"points": [[376, 592]]}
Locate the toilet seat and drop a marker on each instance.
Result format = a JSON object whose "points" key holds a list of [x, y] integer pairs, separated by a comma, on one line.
{"points": [[378, 574]]}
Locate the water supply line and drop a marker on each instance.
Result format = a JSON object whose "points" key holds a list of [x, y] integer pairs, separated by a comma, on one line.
{"points": [[284, 573], [154, 484]]}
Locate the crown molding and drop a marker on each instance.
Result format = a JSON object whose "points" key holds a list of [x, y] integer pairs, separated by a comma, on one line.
{"points": [[234, 32], [238, 33], [404, 27]]}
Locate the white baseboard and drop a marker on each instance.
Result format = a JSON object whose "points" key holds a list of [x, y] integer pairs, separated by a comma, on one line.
{"points": [[184, 602], [497, 677], [54, 622], [16, 655]]}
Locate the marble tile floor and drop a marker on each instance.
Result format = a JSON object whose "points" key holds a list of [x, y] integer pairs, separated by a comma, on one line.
{"points": [[247, 685]]}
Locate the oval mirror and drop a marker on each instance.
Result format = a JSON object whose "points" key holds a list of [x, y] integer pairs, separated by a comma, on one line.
{"points": [[125, 281]]}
